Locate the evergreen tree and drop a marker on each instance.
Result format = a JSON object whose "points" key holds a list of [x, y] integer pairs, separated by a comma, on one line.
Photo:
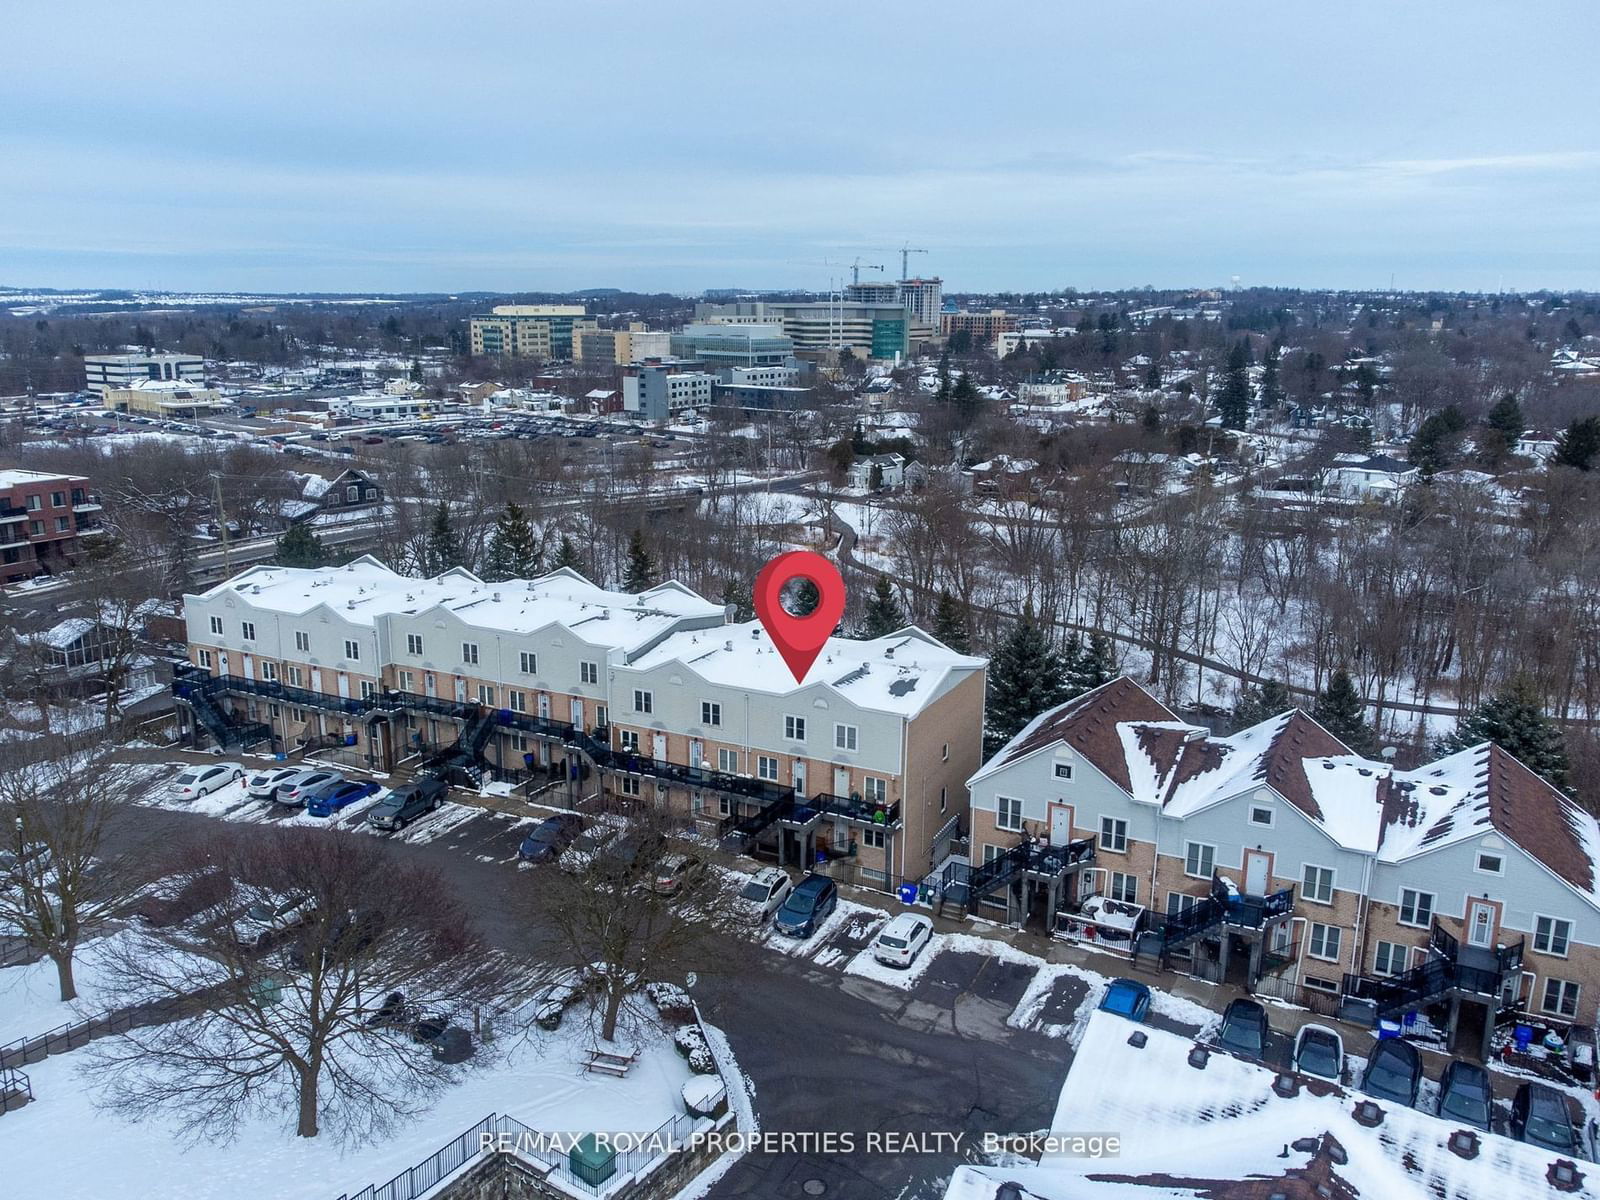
{"points": [[1234, 404], [1152, 376], [1096, 664], [967, 400], [442, 549], [1432, 445], [1271, 383], [641, 574], [1505, 418], [1259, 701], [567, 556], [1579, 444], [299, 547], [513, 549], [1152, 419], [883, 615], [950, 624], [1026, 677], [1513, 720], [1342, 712], [739, 599]]}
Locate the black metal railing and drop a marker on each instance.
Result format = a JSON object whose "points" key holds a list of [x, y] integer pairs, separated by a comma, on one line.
{"points": [[1438, 974], [1256, 912], [854, 808], [1029, 857], [16, 1089]]}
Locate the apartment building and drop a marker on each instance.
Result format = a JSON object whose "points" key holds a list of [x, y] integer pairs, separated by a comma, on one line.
{"points": [[649, 697], [983, 326], [659, 391], [1280, 860], [529, 330], [103, 372], [43, 518]]}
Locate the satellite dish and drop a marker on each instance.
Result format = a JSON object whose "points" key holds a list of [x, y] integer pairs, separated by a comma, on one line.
{"points": [[1388, 753]]}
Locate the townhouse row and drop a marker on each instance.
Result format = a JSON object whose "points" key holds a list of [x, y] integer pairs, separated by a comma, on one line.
{"points": [[1279, 859], [653, 696]]}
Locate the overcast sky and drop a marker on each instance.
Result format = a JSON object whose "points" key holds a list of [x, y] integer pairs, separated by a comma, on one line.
{"points": [[678, 144]]}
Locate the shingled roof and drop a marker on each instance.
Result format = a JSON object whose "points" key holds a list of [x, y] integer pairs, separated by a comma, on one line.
{"points": [[1088, 724]]}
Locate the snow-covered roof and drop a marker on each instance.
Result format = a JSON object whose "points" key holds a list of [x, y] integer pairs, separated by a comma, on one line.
{"points": [[15, 479], [365, 590], [63, 634], [1223, 1131], [899, 673]]}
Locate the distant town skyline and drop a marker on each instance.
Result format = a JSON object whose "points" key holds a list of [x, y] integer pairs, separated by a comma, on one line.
{"points": [[700, 145]]}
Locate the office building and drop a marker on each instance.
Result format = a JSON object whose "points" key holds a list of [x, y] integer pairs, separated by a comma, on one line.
{"points": [[603, 349], [169, 399], [660, 390], [984, 327], [925, 299], [529, 330], [105, 371], [42, 518], [734, 346]]}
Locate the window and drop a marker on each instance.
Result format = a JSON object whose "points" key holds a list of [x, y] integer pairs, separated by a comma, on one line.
{"points": [[1324, 942], [247, 630], [1063, 770], [1490, 863], [872, 838], [1007, 813], [297, 714], [629, 740], [529, 663], [302, 641], [1180, 902], [728, 762], [216, 626], [710, 713], [486, 695], [766, 767], [352, 494], [990, 853], [1318, 884], [63, 524], [1261, 814], [58, 499], [1113, 834], [408, 681], [601, 717], [414, 644], [629, 785], [589, 672], [518, 701], [643, 701], [205, 659], [943, 799], [352, 651], [1551, 935], [35, 503], [269, 671], [1390, 959], [1560, 997], [875, 790], [1199, 859], [724, 806], [794, 728], [1416, 908], [845, 737], [368, 689], [1321, 985], [469, 653], [1124, 887], [297, 677]]}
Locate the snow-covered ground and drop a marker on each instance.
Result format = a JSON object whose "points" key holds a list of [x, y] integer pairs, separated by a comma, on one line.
{"points": [[868, 967], [30, 996], [813, 946]]}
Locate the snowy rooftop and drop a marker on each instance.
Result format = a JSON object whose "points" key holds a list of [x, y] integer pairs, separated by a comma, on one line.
{"points": [[900, 673], [365, 590], [1225, 1132], [14, 479]]}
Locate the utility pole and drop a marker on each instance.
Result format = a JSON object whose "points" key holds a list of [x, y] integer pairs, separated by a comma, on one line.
{"points": [[222, 524]]}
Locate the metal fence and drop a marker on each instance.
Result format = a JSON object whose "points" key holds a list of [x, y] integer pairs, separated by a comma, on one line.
{"points": [[16, 1089], [431, 1171], [65, 1037]]}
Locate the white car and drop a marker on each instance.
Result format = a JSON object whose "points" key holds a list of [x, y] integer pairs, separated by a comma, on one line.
{"points": [[301, 784], [194, 782], [900, 941], [1319, 1051], [261, 923], [263, 785], [765, 893]]}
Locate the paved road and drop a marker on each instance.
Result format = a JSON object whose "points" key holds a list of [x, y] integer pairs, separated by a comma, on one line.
{"points": [[826, 1051]]}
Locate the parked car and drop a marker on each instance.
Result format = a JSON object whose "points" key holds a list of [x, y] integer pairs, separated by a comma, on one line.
{"points": [[1244, 1029], [550, 837], [406, 803], [1466, 1095], [900, 941], [807, 907], [195, 782], [552, 1001], [263, 785], [586, 845], [162, 911], [675, 873], [1319, 1051], [764, 894], [1394, 1072], [1127, 998], [332, 797], [1540, 1117], [297, 790], [266, 920]]}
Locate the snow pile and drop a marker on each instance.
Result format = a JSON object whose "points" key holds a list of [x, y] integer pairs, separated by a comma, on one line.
{"points": [[868, 967]]}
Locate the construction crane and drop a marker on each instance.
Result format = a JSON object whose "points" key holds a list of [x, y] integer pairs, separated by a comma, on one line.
{"points": [[906, 251], [855, 269]]}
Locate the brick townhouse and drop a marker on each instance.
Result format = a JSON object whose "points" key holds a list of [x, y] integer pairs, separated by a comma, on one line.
{"points": [[651, 696], [43, 518], [1278, 859]]}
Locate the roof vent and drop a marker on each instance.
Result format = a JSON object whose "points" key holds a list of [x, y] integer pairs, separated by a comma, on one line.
{"points": [[1327, 764], [1437, 790], [1286, 1085], [1364, 770], [889, 653], [727, 645], [1198, 1057], [1305, 1145], [1564, 1175], [1138, 1038], [1368, 1114], [1464, 1144], [755, 635], [497, 596]]}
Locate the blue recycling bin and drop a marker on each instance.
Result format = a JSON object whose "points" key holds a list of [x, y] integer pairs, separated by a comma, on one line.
{"points": [[1410, 1019], [908, 893], [1388, 1029], [1522, 1035]]}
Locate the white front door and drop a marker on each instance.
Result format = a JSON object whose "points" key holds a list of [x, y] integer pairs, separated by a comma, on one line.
{"points": [[316, 680], [428, 684], [222, 662], [577, 713], [799, 777], [697, 752], [461, 691], [344, 685], [658, 747], [247, 665], [1256, 864], [841, 781], [1480, 924], [544, 706], [1060, 824]]}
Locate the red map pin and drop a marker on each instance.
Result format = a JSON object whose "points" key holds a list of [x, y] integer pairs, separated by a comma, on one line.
{"points": [[799, 639]]}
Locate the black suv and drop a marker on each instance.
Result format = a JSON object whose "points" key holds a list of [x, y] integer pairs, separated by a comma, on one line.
{"points": [[406, 803], [1540, 1117], [1394, 1072], [1244, 1029]]}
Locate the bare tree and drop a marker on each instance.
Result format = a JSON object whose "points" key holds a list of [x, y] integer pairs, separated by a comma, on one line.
{"points": [[301, 1023], [59, 876]]}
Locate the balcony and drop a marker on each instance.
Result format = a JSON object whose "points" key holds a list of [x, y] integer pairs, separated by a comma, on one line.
{"points": [[1475, 972], [852, 808], [13, 516]]}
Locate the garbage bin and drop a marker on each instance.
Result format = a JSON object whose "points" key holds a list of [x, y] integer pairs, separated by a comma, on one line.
{"points": [[592, 1162], [1388, 1029], [1522, 1035], [908, 893]]}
